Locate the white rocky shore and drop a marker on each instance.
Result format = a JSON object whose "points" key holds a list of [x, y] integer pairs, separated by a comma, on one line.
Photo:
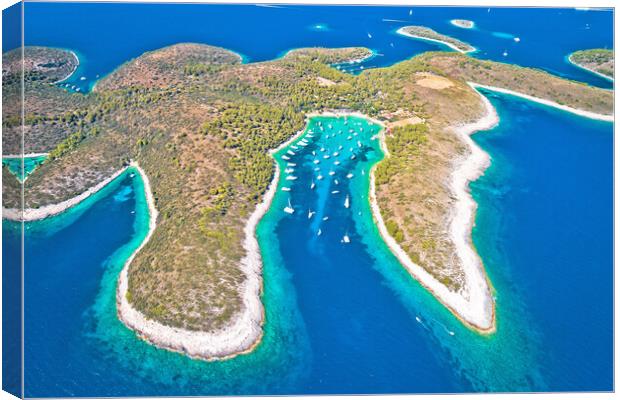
{"points": [[245, 331], [239, 337], [33, 214], [403, 32], [583, 113], [473, 304]]}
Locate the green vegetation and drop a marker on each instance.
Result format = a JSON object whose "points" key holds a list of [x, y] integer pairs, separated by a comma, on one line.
{"points": [[598, 60], [427, 33], [201, 125], [254, 129], [403, 143]]}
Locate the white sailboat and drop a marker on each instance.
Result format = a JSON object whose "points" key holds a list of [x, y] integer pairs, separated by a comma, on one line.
{"points": [[331, 173], [286, 189], [291, 178], [349, 176], [319, 177], [285, 157], [289, 209], [312, 185], [319, 232], [346, 239], [346, 202], [310, 213]]}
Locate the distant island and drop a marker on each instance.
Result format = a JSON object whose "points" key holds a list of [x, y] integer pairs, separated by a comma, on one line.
{"points": [[462, 23], [424, 33], [200, 126], [597, 61]]}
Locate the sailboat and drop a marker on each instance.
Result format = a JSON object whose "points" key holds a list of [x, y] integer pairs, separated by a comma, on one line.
{"points": [[346, 202], [286, 189], [289, 209], [345, 239], [310, 214], [349, 176], [319, 232], [312, 185]]}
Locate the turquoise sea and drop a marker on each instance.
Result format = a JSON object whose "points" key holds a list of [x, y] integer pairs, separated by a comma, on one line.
{"points": [[346, 317], [22, 169]]}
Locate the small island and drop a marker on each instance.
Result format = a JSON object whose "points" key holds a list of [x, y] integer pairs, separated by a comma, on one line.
{"points": [[462, 23], [194, 284], [425, 33], [597, 61]]}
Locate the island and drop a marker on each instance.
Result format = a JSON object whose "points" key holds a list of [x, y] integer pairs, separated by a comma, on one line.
{"points": [[462, 23], [428, 34], [597, 61], [201, 128]]}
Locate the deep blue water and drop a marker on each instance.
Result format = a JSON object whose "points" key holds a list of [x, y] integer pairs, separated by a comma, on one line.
{"points": [[546, 221], [107, 35], [341, 317]]}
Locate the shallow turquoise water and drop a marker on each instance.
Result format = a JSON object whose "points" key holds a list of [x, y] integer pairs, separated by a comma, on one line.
{"points": [[30, 164], [341, 317]]}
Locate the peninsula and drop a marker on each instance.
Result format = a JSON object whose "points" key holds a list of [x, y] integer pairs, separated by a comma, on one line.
{"points": [[597, 61], [424, 33], [199, 126]]}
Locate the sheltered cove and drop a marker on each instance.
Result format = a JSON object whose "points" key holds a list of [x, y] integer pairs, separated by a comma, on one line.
{"points": [[244, 331]]}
